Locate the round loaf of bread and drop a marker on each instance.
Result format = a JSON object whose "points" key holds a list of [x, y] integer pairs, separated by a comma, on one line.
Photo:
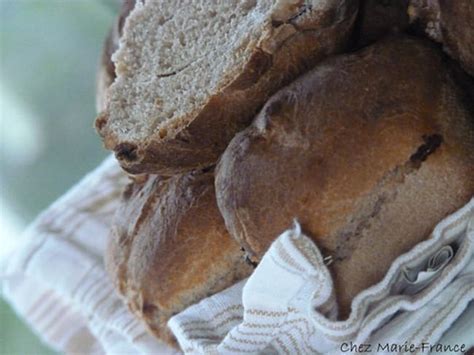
{"points": [[368, 152], [170, 248]]}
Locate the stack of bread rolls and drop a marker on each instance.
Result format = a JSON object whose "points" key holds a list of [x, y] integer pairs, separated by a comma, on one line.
{"points": [[236, 118]]}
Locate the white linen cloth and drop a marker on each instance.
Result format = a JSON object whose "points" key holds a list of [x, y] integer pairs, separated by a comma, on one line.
{"points": [[287, 306], [57, 282]]}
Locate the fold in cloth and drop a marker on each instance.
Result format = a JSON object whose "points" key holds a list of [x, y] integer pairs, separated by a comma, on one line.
{"points": [[288, 306], [56, 281]]}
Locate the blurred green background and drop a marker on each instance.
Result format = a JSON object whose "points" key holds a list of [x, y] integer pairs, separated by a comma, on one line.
{"points": [[49, 50]]}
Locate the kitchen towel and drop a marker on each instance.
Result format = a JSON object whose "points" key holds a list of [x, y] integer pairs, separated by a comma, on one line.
{"points": [[56, 281], [287, 306]]}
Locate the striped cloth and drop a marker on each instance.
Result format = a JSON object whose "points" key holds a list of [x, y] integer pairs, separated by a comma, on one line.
{"points": [[287, 306], [56, 281]]}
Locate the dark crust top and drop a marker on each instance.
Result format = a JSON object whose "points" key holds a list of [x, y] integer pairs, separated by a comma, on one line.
{"points": [[112, 41], [368, 151], [450, 23], [379, 18], [457, 26]]}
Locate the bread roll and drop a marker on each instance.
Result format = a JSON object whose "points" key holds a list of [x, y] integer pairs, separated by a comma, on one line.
{"points": [[368, 152], [170, 248], [192, 74], [450, 22]]}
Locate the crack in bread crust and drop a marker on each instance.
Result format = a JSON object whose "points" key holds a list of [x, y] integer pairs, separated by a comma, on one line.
{"points": [[386, 192], [367, 151]]}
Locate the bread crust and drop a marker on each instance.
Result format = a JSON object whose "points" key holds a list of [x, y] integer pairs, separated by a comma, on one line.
{"points": [[379, 18], [368, 152], [289, 45], [450, 23], [169, 247], [106, 70], [457, 25]]}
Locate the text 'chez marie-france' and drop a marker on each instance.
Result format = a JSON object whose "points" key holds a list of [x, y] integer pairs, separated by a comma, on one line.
{"points": [[351, 347]]}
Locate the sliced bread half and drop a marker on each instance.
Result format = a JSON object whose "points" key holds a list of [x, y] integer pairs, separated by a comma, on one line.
{"points": [[190, 74]]}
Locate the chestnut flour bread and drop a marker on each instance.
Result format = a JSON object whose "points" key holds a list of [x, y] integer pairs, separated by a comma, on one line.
{"points": [[450, 22], [190, 74], [169, 247], [368, 151]]}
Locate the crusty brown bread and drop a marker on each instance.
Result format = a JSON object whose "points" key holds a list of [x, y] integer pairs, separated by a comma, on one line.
{"points": [[368, 152], [106, 70], [190, 74], [170, 248], [450, 22]]}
